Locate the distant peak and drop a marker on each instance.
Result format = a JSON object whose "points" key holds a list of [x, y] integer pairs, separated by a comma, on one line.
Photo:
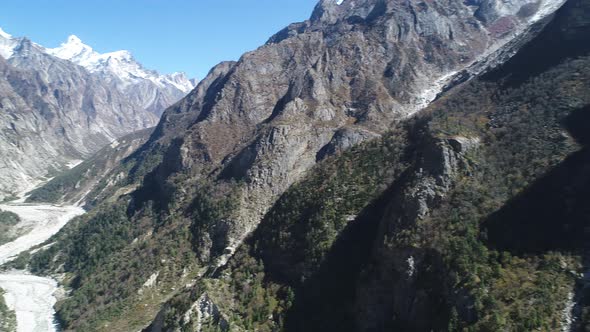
{"points": [[71, 48], [4, 34], [73, 39], [75, 42]]}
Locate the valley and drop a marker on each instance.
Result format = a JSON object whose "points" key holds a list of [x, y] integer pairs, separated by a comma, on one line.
{"points": [[383, 165]]}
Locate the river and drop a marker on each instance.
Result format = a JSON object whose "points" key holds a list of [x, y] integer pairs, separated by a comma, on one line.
{"points": [[32, 297]]}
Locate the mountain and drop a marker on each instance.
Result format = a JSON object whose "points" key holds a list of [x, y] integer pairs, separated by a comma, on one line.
{"points": [[55, 111], [121, 70], [355, 173]]}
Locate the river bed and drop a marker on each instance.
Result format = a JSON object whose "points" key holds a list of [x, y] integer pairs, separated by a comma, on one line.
{"points": [[32, 297]]}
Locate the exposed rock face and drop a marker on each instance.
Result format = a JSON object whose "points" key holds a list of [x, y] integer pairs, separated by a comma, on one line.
{"points": [[203, 315], [318, 87], [53, 111], [204, 311]]}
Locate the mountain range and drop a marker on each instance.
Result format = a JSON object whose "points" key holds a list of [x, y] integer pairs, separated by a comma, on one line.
{"points": [[386, 165], [61, 105]]}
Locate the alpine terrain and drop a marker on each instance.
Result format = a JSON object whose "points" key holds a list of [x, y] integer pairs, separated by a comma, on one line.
{"points": [[59, 106], [386, 165]]}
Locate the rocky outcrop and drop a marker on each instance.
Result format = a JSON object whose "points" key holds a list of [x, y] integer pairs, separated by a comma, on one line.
{"points": [[202, 315], [204, 312]]}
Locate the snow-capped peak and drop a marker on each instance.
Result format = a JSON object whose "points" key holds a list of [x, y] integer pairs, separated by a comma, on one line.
{"points": [[7, 44], [73, 39], [119, 64], [73, 49], [5, 35]]}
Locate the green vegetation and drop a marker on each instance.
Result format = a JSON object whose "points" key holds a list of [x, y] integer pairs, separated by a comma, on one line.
{"points": [[7, 316], [305, 222], [296, 234], [297, 250], [55, 189], [7, 221]]}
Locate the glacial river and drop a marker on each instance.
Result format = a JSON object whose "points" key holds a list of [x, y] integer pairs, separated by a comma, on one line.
{"points": [[31, 297]]}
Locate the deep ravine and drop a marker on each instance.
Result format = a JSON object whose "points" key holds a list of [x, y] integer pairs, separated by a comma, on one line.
{"points": [[32, 297]]}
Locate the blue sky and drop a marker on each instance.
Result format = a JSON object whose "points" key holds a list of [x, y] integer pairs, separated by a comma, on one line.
{"points": [[166, 35]]}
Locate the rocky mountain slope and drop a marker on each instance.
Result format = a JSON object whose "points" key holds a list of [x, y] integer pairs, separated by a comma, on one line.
{"points": [[93, 179], [290, 190], [54, 111]]}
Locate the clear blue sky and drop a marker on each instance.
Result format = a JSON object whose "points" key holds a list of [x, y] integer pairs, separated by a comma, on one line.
{"points": [[166, 35]]}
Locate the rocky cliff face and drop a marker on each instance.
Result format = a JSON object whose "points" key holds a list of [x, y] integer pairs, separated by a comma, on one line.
{"points": [[494, 157], [55, 112]]}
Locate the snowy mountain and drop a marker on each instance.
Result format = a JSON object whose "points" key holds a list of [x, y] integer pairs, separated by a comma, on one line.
{"points": [[7, 44], [119, 64], [147, 88], [64, 104]]}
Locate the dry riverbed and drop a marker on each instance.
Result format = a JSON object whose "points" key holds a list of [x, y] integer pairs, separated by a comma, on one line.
{"points": [[31, 297]]}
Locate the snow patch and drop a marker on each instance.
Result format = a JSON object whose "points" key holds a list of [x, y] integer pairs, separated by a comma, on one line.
{"points": [[7, 44], [428, 95], [547, 7], [73, 163], [4, 34]]}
